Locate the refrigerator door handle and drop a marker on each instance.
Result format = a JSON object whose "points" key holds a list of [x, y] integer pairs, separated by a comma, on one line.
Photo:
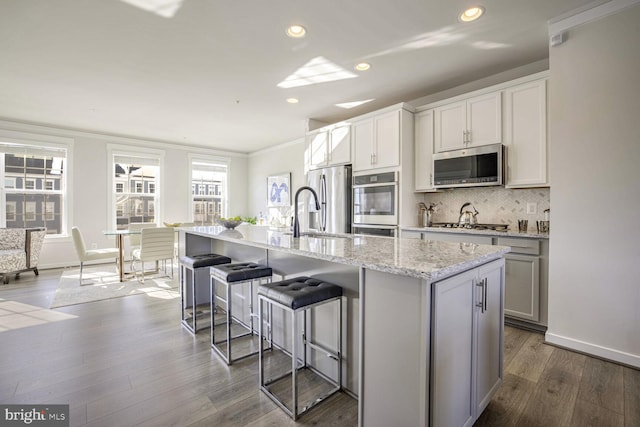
{"points": [[323, 202]]}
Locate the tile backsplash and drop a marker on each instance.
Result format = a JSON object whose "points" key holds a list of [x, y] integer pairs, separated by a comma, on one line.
{"points": [[496, 205]]}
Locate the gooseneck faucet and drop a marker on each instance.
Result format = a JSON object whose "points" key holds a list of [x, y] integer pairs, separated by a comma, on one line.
{"points": [[296, 224]]}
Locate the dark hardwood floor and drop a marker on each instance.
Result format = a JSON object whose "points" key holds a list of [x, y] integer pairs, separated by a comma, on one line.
{"points": [[126, 361]]}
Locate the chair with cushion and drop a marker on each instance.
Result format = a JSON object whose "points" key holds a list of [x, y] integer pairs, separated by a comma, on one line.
{"points": [[135, 228], [156, 244], [20, 250], [85, 254]]}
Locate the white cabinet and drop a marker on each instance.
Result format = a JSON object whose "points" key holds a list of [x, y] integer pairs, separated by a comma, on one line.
{"points": [[522, 290], [423, 149], [466, 344], [376, 142], [525, 136], [329, 146], [472, 122]]}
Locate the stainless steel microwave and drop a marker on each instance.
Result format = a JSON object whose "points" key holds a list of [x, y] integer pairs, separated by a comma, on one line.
{"points": [[470, 167]]}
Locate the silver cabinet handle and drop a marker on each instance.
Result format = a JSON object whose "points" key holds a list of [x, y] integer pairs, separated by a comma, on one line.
{"points": [[480, 304], [464, 136], [484, 298]]}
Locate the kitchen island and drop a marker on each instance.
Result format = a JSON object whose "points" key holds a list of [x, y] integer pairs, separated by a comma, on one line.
{"points": [[422, 320]]}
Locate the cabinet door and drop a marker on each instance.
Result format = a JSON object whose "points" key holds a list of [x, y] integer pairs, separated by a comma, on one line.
{"points": [[423, 149], [450, 126], [489, 333], [340, 145], [410, 234], [451, 351], [526, 134], [522, 287], [317, 146], [363, 145], [484, 119], [387, 140]]}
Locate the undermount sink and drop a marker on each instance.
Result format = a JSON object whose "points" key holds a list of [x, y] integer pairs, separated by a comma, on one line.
{"points": [[320, 235]]}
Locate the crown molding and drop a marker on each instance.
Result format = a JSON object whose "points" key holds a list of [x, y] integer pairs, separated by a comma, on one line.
{"points": [[589, 13]]}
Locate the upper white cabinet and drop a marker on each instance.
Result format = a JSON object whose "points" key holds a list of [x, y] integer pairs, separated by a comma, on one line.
{"points": [[329, 146], [472, 122], [376, 142], [423, 148], [525, 136]]}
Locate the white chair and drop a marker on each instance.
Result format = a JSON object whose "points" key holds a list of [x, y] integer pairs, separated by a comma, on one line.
{"points": [[134, 239], [85, 254], [156, 244]]}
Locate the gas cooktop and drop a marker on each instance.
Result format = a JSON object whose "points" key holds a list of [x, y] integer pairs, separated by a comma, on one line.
{"points": [[493, 227]]}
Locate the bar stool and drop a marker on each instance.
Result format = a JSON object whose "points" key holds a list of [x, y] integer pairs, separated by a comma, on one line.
{"points": [[231, 275], [297, 295], [195, 264]]}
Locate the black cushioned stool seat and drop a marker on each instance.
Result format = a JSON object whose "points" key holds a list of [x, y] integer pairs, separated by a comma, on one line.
{"points": [[228, 275], [293, 296], [193, 264], [242, 271], [300, 291]]}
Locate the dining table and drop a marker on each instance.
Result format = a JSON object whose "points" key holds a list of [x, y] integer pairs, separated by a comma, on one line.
{"points": [[119, 235]]}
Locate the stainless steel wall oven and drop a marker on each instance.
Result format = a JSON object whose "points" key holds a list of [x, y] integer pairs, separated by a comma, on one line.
{"points": [[375, 199]]}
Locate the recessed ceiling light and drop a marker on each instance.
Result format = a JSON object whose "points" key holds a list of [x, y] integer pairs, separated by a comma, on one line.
{"points": [[472, 13], [296, 31], [292, 100], [363, 66]]}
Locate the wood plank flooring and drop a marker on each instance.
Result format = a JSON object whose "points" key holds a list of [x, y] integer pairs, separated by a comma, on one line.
{"points": [[126, 361]]}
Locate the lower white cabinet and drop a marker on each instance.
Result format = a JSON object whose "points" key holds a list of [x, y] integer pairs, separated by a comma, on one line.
{"points": [[466, 344]]}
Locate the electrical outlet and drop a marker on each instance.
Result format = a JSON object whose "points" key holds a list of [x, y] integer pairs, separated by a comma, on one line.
{"points": [[532, 208], [94, 246]]}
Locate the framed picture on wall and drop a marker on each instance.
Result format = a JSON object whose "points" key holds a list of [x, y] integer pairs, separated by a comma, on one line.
{"points": [[279, 190]]}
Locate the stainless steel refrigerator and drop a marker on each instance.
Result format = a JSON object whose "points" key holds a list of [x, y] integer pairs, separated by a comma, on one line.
{"points": [[333, 186]]}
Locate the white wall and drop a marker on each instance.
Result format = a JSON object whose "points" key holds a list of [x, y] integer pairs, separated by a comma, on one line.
{"points": [[88, 202], [288, 157], [594, 289]]}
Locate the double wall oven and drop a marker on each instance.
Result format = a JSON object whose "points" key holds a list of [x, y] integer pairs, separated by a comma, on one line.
{"points": [[375, 204]]}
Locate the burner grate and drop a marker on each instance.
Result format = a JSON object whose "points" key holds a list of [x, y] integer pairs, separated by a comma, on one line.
{"points": [[493, 227]]}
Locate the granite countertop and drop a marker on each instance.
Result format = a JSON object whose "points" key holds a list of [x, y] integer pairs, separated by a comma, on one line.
{"points": [[531, 234], [430, 260]]}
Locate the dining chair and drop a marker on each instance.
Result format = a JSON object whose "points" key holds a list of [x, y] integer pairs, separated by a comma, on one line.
{"points": [[156, 244], [134, 237], [85, 254]]}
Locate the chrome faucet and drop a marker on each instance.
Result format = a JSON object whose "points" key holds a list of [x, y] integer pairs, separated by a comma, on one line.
{"points": [[296, 224]]}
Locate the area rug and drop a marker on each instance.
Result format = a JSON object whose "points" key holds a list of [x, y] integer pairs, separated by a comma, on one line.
{"points": [[101, 283]]}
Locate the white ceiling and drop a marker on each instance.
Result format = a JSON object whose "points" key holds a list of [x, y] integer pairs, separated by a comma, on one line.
{"points": [[209, 75]]}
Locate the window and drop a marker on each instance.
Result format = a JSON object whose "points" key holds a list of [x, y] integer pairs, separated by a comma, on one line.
{"points": [[135, 182], [11, 211], [30, 211], [209, 189], [48, 210], [34, 184]]}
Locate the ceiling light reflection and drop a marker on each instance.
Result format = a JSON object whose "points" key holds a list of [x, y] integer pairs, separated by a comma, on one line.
{"points": [[164, 8], [348, 105], [317, 70]]}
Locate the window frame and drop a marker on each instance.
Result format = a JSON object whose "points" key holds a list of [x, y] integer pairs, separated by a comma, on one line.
{"points": [[224, 199], [43, 142], [142, 153]]}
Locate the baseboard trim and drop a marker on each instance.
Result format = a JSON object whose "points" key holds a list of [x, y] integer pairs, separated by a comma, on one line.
{"points": [[621, 357]]}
